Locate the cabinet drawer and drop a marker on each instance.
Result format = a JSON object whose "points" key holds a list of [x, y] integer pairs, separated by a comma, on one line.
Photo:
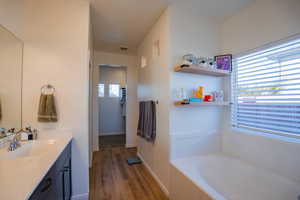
{"points": [[46, 188]]}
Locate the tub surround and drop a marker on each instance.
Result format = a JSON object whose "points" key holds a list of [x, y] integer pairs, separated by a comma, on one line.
{"points": [[194, 144], [22, 172]]}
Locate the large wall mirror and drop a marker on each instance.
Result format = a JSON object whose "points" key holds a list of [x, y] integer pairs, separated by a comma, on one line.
{"points": [[11, 56]]}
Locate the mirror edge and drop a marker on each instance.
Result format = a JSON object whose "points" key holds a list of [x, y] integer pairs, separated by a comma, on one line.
{"points": [[22, 69]]}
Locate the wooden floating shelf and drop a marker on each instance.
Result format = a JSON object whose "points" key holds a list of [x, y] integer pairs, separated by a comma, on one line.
{"points": [[197, 69], [225, 103]]}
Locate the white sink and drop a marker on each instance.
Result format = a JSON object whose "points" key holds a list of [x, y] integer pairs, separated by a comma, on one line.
{"points": [[27, 149]]}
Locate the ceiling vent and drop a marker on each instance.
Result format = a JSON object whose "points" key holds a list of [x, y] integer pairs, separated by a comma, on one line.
{"points": [[123, 48]]}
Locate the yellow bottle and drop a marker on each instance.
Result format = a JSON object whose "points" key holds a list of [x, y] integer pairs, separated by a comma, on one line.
{"points": [[200, 92]]}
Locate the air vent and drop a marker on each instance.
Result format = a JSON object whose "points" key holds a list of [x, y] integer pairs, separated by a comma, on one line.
{"points": [[123, 48]]}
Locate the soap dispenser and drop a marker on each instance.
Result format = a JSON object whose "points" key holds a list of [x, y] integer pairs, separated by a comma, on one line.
{"points": [[29, 132]]}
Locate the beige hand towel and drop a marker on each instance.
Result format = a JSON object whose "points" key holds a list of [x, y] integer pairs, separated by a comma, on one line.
{"points": [[47, 109]]}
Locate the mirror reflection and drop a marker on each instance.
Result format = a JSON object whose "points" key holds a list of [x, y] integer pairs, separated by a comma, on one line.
{"points": [[11, 50]]}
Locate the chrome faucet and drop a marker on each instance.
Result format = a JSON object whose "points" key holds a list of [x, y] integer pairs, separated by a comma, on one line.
{"points": [[14, 143]]}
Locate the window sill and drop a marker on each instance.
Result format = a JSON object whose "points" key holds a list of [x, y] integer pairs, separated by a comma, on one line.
{"points": [[274, 135]]}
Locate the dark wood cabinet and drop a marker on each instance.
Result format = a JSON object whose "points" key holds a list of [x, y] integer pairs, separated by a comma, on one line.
{"points": [[57, 184]]}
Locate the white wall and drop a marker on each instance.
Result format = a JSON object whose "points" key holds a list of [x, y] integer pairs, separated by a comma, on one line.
{"points": [[12, 16], [260, 23], [154, 84], [191, 32], [102, 58], [180, 30], [111, 120], [56, 52], [263, 22]]}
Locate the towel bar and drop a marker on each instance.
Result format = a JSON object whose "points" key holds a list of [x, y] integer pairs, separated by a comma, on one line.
{"points": [[49, 87]]}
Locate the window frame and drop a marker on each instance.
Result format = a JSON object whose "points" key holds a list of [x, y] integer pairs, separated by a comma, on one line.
{"points": [[233, 81]]}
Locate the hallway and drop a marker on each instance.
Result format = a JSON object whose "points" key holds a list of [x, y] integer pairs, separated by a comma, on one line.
{"points": [[112, 141], [112, 179]]}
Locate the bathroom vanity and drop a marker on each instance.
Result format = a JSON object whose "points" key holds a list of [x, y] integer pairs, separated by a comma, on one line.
{"points": [[29, 169], [38, 170]]}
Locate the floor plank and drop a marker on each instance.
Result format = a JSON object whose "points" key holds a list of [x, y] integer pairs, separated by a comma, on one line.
{"points": [[111, 178]]}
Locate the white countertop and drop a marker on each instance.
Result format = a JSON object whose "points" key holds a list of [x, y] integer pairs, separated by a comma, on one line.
{"points": [[20, 176]]}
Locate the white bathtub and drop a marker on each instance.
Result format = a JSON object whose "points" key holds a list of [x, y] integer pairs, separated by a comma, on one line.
{"points": [[218, 176]]}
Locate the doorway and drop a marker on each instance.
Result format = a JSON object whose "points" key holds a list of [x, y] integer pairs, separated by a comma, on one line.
{"points": [[112, 96]]}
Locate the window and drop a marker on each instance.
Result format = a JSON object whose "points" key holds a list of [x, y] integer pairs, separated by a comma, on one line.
{"points": [[101, 88], [114, 90], [143, 62], [266, 89]]}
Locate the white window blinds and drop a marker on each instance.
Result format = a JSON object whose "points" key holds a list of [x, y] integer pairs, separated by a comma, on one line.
{"points": [[266, 89]]}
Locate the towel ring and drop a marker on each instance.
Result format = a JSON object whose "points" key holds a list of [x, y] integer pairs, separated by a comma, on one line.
{"points": [[47, 87]]}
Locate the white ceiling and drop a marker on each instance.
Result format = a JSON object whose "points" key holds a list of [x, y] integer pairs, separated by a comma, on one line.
{"points": [[126, 22], [123, 22]]}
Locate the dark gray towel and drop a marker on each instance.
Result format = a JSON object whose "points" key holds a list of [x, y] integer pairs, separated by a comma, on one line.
{"points": [[147, 120], [47, 109], [0, 111]]}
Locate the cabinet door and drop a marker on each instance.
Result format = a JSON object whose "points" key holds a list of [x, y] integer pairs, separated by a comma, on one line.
{"points": [[67, 180], [59, 184]]}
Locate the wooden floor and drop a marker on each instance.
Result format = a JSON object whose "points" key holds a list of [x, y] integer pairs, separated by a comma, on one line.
{"points": [[112, 141], [112, 179]]}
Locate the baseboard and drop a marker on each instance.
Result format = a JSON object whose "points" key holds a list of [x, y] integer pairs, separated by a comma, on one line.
{"points": [[112, 133], [130, 145], [162, 186], [84, 196]]}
